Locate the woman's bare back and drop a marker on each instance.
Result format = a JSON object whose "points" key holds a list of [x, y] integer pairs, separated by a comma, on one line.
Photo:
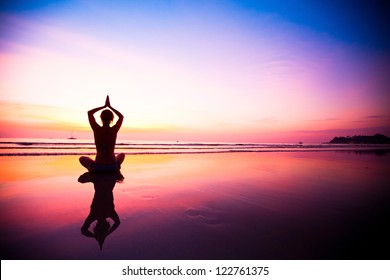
{"points": [[105, 139]]}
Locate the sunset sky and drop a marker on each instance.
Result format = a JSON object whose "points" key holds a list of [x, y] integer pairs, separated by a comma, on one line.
{"points": [[242, 71]]}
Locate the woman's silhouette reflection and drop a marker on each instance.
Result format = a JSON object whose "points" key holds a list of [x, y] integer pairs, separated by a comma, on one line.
{"points": [[102, 207]]}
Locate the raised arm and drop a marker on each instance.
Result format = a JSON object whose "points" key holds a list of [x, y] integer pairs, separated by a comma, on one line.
{"points": [[118, 124], [91, 118], [116, 220], [84, 229]]}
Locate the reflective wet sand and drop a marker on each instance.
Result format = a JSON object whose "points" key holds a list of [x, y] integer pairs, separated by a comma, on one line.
{"points": [[291, 205]]}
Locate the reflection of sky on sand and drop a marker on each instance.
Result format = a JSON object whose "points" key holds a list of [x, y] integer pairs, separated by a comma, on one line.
{"points": [[40, 201], [251, 205]]}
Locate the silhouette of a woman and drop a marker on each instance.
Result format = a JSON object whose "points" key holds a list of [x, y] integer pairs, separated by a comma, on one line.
{"points": [[105, 139]]}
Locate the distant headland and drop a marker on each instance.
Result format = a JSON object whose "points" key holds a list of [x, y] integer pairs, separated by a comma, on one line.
{"points": [[359, 139]]}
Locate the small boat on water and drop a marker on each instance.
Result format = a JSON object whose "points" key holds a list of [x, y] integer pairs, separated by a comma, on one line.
{"points": [[71, 136]]}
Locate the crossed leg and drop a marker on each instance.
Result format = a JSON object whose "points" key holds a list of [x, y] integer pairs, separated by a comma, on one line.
{"points": [[120, 158], [87, 161]]}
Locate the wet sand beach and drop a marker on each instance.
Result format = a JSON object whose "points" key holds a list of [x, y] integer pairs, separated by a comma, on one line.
{"points": [[270, 205]]}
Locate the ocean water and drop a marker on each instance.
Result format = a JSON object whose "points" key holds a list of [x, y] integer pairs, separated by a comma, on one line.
{"points": [[195, 201], [38, 147]]}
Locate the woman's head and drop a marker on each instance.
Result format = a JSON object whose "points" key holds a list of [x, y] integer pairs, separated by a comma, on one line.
{"points": [[107, 116], [101, 231]]}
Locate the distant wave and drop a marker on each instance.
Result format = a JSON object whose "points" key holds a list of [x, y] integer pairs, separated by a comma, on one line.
{"points": [[53, 147]]}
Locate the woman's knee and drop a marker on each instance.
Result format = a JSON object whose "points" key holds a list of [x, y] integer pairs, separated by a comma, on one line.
{"points": [[120, 158], [86, 161]]}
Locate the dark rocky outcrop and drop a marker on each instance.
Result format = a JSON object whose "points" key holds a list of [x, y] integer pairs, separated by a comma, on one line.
{"points": [[359, 139]]}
